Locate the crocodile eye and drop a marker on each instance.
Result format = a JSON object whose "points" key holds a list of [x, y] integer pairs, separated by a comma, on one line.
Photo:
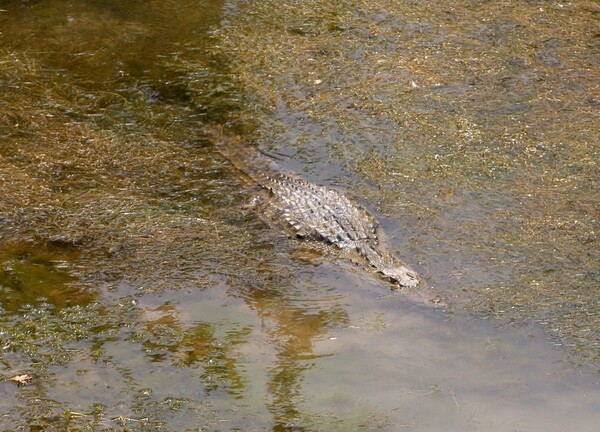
{"points": [[397, 280]]}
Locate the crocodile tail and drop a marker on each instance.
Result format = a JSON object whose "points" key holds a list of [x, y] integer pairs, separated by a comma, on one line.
{"points": [[243, 156]]}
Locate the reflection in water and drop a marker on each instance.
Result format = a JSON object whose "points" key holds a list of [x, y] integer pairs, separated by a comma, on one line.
{"points": [[294, 313], [168, 339], [294, 332]]}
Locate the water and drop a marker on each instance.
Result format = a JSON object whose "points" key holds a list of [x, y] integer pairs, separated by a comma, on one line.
{"points": [[140, 295]]}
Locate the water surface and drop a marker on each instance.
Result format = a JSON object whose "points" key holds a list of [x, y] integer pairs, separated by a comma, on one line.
{"points": [[141, 295]]}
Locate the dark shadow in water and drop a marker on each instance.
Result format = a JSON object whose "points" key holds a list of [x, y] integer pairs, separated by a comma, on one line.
{"points": [[32, 274]]}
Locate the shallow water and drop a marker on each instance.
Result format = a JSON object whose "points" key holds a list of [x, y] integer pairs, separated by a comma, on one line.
{"points": [[140, 294]]}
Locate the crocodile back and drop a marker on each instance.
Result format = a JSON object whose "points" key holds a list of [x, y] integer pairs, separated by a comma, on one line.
{"points": [[320, 212]]}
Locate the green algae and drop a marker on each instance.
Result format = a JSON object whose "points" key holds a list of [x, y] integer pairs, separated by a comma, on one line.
{"points": [[139, 294], [476, 133]]}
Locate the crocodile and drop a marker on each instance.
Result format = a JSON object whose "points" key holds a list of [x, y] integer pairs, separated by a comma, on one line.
{"points": [[319, 213]]}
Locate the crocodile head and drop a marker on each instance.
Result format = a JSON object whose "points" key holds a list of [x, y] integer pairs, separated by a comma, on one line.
{"points": [[407, 279], [401, 275]]}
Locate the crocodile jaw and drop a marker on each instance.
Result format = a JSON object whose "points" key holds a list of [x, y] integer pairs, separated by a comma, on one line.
{"points": [[401, 275]]}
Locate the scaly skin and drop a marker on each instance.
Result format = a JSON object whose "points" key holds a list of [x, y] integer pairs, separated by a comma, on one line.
{"points": [[322, 214]]}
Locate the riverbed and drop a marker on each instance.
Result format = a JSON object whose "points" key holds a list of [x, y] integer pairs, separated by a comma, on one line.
{"points": [[139, 292]]}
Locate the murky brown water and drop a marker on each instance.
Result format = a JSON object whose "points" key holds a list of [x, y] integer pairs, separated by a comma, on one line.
{"points": [[140, 295]]}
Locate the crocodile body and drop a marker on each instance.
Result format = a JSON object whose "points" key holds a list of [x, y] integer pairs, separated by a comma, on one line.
{"points": [[324, 214], [319, 213]]}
